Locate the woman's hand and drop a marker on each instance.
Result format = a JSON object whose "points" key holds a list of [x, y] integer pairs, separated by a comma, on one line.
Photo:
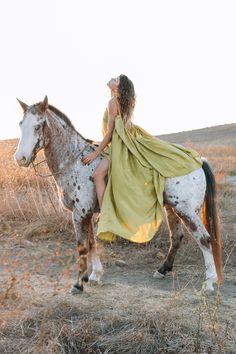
{"points": [[89, 158]]}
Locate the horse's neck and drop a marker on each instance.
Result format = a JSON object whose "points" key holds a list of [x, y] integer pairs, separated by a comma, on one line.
{"points": [[63, 144]]}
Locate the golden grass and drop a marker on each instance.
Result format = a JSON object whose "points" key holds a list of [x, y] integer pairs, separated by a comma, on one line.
{"points": [[29, 197], [221, 157], [25, 196]]}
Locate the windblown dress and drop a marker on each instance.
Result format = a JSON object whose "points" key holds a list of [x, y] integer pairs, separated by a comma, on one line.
{"points": [[132, 205]]}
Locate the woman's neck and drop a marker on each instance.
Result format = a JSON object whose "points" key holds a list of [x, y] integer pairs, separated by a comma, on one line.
{"points": [[114, 94]]}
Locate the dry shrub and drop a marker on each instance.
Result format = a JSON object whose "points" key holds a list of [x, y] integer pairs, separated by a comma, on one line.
{"points": [[48, 230], [196, 329], [64, 327], [69, 326]]}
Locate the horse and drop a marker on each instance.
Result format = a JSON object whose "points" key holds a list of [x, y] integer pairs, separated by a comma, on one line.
{"points": [[189, 200]]}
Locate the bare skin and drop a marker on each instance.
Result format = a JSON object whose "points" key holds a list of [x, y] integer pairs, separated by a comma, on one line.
{"points": [[102, 168]]}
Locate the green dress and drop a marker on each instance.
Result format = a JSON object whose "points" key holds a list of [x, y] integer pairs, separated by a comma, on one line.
{"points": [[139, 164]]}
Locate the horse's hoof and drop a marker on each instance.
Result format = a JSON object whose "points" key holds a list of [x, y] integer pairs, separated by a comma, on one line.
{"points": [[95, 278], [94, 282], [158, 275], [77, 289], [208, 286]]}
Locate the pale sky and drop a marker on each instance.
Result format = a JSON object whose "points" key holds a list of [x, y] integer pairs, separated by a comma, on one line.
{"points": [[180, 55]]}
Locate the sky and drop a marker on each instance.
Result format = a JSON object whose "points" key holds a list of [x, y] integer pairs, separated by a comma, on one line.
{"points": [[180, 55]]}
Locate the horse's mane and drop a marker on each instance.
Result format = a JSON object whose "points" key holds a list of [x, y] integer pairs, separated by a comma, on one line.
{"points": [[64, 117]]}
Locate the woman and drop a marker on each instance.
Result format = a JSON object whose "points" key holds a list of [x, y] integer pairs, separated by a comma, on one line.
{"points": [[108, 127], [137, 163]]}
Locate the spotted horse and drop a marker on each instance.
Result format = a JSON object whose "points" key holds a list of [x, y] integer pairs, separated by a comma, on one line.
{"points": [[188, 200]]}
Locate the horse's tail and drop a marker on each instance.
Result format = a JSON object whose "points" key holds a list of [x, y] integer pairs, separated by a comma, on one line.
{"points": [[210, 219]]}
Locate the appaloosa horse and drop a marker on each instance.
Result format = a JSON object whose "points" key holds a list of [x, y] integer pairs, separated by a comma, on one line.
{"points": [[185, 197]]}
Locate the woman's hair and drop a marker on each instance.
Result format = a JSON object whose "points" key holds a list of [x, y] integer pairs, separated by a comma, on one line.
{"points": [[126, 98]]}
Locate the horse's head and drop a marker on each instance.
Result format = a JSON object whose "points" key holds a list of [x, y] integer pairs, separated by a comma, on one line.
{"points": [[32, 126]]}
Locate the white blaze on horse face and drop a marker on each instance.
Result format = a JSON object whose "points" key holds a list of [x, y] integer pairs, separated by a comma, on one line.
{"points": [[31, 129]]}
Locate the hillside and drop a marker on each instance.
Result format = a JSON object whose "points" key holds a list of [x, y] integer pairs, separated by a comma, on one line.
{"points": [[216, 135]]}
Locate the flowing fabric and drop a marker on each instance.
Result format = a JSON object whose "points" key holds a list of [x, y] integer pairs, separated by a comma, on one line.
{"points": [[139, 164]]}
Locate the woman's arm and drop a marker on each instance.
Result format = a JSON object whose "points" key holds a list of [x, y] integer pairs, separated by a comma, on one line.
{"points": [[112, 113]]}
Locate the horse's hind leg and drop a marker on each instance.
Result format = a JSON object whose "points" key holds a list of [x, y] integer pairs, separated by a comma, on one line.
{"points": [[176, 234], [192, 220]]}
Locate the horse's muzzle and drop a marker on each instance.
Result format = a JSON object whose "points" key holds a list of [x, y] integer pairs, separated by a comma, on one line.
{"points": [[22, 161]]}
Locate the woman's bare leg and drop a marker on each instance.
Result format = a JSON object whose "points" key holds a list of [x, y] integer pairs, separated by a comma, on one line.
{"points": [[99, 179]]}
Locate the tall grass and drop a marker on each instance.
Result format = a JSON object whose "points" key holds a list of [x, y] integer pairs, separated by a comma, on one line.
{"points": [[27, 196]]}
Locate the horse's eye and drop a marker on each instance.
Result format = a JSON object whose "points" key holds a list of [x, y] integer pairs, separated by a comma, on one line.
{"points": [[37, 127], [20, 122]]}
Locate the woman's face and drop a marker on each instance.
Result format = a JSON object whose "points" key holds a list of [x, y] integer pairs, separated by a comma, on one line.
{"points": [[113, 84]]}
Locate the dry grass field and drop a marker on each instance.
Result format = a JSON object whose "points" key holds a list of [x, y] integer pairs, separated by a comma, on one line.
{"points": [[130, 312]]}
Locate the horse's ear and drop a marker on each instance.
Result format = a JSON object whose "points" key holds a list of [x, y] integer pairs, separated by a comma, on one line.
{"points": [[24, 106], [44, 105]]}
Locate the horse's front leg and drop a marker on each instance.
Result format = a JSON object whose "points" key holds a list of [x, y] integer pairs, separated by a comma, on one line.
{"points": [[82, 225], [97, 269]]}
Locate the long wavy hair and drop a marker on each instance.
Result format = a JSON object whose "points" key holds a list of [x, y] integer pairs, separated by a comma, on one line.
{"points": [[126, 98]]}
